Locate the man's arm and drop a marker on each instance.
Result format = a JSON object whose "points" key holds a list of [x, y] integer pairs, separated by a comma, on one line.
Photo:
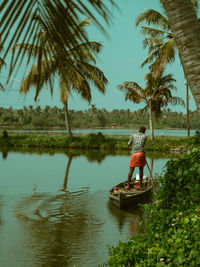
{"points": [[130, 141]]}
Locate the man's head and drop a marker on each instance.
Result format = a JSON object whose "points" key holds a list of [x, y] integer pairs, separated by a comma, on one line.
{"points": [[142, 129]]}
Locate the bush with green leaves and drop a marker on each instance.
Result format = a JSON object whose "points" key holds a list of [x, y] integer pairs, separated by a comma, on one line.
{"points": [[170, 233]]}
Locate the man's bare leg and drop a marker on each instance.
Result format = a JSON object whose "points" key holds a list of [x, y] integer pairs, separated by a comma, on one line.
{"points": [[141, 175], [130, 175]]}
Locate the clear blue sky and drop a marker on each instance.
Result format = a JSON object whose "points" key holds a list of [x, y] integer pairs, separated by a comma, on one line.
{"points": [[119, 59]]}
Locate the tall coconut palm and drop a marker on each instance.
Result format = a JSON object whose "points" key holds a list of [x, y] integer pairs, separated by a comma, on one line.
{"points": [[75, 67], [156, 94]]}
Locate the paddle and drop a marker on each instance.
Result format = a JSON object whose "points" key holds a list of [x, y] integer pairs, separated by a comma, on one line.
{"points": [[151, 177]]}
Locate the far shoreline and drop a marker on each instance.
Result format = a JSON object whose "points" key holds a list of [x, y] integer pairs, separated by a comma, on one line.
{"points": [[96, 141]]}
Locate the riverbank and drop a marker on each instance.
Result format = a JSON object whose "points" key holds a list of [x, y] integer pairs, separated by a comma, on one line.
{"points": [[95, 141], [170, 232]]}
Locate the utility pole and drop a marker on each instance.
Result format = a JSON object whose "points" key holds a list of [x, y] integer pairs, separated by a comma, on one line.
{"points": [[187, 109]]}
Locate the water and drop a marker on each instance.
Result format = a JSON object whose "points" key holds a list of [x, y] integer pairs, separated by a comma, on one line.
{"points": [[114, 132], [54, 208]]}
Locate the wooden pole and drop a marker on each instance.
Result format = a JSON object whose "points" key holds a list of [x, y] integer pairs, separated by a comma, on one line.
{"points": [[188, 111], [151, 177]]}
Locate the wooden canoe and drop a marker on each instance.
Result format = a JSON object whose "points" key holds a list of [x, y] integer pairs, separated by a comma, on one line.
{"points": [[124, 198]]}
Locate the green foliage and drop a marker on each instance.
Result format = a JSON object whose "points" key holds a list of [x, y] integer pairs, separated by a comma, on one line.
{"points": [[93, 141], [34, 118], [34, 141], [166, 143], [170, 232]]}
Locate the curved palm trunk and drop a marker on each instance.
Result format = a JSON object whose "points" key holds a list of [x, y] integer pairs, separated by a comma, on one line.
{"points": [[67, 121], [186, 32], [151, 121]]}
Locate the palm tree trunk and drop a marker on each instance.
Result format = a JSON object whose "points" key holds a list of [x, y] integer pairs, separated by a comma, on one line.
{"points": [[67, 121], [186, 32], [151, 121]]}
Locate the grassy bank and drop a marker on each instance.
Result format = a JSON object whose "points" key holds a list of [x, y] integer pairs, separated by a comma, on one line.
{"points": [[170, 231], [94, 141]]}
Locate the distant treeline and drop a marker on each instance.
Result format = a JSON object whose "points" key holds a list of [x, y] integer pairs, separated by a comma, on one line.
{"points": [[30, 118]]}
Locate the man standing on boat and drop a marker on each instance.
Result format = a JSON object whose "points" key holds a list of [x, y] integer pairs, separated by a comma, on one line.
{"points": [[138, 159]]}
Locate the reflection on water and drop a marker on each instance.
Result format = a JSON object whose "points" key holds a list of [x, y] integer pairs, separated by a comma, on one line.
{"points": [[59, 227], [54, 207], [133, 216]]}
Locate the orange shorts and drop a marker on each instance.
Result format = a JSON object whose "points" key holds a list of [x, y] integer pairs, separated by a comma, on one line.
{"points": [[138, 159]]}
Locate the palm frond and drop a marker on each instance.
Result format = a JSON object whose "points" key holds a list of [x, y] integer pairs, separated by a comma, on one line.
{"points": [[177, 101], [152, 32], [85, 50], [164, 55], [2, 87], [2, 62], [132, 91], [150, 58], [167, 81], [84, 23], [32, 78], [152, 42], [76, 81], [153, 17], [94, 75], [16, 13]]}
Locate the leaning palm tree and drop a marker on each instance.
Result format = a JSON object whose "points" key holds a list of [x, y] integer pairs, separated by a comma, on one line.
{"points": [[186, 33], [156, 94], [75, 66]]}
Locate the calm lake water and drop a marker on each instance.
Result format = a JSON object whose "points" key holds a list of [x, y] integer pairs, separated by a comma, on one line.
{"points": [[42, 226], [114, 132]]}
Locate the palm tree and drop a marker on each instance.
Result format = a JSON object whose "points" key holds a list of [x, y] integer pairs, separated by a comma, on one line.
{"points": [[155, 95], [15, 18], [161, 44], [185, 28], [160, 41], [74, 67]]}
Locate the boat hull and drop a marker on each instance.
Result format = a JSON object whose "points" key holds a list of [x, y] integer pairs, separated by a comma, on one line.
{"points": [[126, 199]]}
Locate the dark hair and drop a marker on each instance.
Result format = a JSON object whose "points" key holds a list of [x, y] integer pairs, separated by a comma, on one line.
{"points": [[142, 129]]}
